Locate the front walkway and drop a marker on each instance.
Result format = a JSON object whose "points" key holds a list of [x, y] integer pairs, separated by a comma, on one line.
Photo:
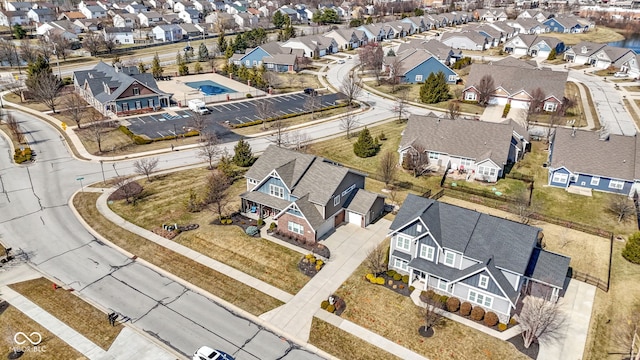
{"points": [[349, 246]]}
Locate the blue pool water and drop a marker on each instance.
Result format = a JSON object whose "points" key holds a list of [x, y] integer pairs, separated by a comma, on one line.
{"points": [[209, 87]]}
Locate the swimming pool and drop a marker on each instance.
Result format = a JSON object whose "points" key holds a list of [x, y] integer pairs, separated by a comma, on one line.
{"points": [[208, 87]]}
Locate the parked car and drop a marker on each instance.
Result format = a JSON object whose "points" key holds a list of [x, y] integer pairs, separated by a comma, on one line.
{"points": [[340, 61], [310, 91], [207, 353], [620, 74]]}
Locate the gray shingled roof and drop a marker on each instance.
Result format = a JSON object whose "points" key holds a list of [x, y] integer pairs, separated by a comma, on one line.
{"points": [[275, 157], [362, 201], [434, 47], [513, 80], [478, 236], [548, 267], [615, 53], [467, 138], [474, 36], [527, 39], [589, 47], [320, 181], [585, 153], [310, 212], [265, 199]]}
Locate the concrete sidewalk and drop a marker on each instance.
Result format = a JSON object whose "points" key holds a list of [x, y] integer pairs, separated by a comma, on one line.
{"points": [[257, 284], [349, 246], [128, 344]]}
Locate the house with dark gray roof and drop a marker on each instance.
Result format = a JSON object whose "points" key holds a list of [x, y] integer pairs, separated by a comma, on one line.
{"points": [[119, 90], [482, 149], [418, 65], [479, 258], [515, 81], [307, 195], [582, 53], [594, 160], [466, 40], [612, 56], [440, 51]]}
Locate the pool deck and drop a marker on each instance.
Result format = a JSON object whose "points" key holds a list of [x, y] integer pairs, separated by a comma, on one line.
{"points": [[183, 93]]}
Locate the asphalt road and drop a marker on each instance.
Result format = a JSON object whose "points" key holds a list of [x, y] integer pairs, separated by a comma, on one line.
{"points": [[157, 126]]}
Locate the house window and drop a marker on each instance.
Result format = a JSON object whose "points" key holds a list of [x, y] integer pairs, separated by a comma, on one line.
{"points": [[427, 252], [125, 107], [549, 106], [255, 62], [560, 178], [480, 299], [486, 171], [138, 104], [336, 200], [483, 282], [595, 181], [418, 78], [136, 91], [443, 285], [253, 181], [434, 156], [295, 228], [452, 78], [269, 66], [449, 258], [247, 62], [466, 163], [419, 228], [403, 242], [470, 96], [276, 191], [616, 184], [400, 264]]}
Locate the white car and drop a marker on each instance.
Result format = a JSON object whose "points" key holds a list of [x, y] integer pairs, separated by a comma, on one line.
{"points": [[340, 61], [620, 74], [207, 353]]}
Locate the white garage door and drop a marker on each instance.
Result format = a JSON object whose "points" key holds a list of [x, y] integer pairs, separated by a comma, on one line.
{"points": [[520, 51], [354, 218], [498, 101], [519, 104]]}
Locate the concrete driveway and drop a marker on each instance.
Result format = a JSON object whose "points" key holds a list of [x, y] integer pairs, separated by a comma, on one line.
{"points": [[492, 113], [577, 305]]}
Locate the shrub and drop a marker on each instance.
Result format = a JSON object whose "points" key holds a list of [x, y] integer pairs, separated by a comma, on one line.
{"points": [[365, 146], [405, 279], [273, 226], [319, 262], [380, 281], [312, 259], [369, 277], [512, 322], [477, 313], [424, 295], [318, 267], [502, 327], [453, 304], [324, 304], [443, 299], [411, 288], [21, 156], [373, 280], [249, 96], [382, 136], [465, 309], [491, 319], [391, 273], [340, 304], [631, 250], [331, 308], [506, 110], [260, 222], [400, 286], [390, 282], [252, 231], [397, 277]]}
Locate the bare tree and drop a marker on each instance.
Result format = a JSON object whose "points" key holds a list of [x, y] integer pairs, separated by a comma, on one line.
{"points": [[209, 148], [76, 107], [351, 87], [395, 73], [540, 319], [567, 103], [626, 334], [525, 210], [401, 105], [431, 312], [28, 52], [348, 123], [216, 195], [62, 45], [554, 119], [537, 98], [376, 260], [388, 167], [109, 42], [93, 43], [265, 111], [198, 122], [311, 104], [146, 166], [485, 89], [14, 128], [45, 48], [297, 140], [416, 159], [45, 89], [96, 129], [621, 207], [278, 135], [129, 188], [453, 110]]}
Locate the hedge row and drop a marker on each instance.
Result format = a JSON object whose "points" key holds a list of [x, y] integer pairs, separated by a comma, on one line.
{"points": [[287, 116], [139, 140]]}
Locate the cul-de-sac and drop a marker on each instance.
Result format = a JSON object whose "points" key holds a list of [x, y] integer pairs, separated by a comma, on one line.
{"points": [[357, 180]]}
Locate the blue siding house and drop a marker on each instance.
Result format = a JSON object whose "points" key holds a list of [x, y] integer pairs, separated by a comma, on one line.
{"points": [[418, 64], [596, 161], [565, 25], [252, 57], [273, 56]]}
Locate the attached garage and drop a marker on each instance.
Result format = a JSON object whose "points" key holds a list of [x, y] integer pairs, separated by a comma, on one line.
{"points": [[497, 100], [519, 104], [364, 207]]}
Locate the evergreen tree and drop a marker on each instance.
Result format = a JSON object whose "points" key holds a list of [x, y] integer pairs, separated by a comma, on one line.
{"points": [[179, 59], [19, 32], [197, 68], [243, 156], [434, 89], [552, 55], [142, 68], [188, 56], [366, 146], [279, 20], [391, 52], [183, 69], [225, 164], [156, 69], [41, 65], [203, 52], [222, 43], [631, 250], [228, 53]]}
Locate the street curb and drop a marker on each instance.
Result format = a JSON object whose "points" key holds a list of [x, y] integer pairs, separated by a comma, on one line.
{"points": [[197, 289]]}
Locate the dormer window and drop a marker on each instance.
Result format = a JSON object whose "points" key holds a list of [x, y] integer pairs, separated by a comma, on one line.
{"points": [[136, 91], [419, 228], [483, 282]]}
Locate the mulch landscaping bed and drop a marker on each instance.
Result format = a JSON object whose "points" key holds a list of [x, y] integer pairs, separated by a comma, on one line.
{"points": [[315, 248], [339, 305], [531, 352], [396, 285], [171, 234], [239, 220], [133, 189], [308, 268]]}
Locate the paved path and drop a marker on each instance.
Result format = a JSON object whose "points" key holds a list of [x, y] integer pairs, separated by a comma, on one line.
{"points": [[349, 246], [257, 284], [128, 345]]}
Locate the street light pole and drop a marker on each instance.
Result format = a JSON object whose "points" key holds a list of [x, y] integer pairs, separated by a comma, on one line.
{"points": [[102, 169]]}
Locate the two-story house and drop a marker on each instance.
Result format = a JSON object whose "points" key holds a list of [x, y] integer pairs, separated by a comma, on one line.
{"points": [[476, 257], [307, 195]]}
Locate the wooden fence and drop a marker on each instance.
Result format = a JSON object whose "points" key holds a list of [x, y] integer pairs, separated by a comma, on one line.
{"points": [[584, 277]]}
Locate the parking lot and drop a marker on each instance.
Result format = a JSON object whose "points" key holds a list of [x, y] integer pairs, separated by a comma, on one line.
{"points": [[222, 115]]}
